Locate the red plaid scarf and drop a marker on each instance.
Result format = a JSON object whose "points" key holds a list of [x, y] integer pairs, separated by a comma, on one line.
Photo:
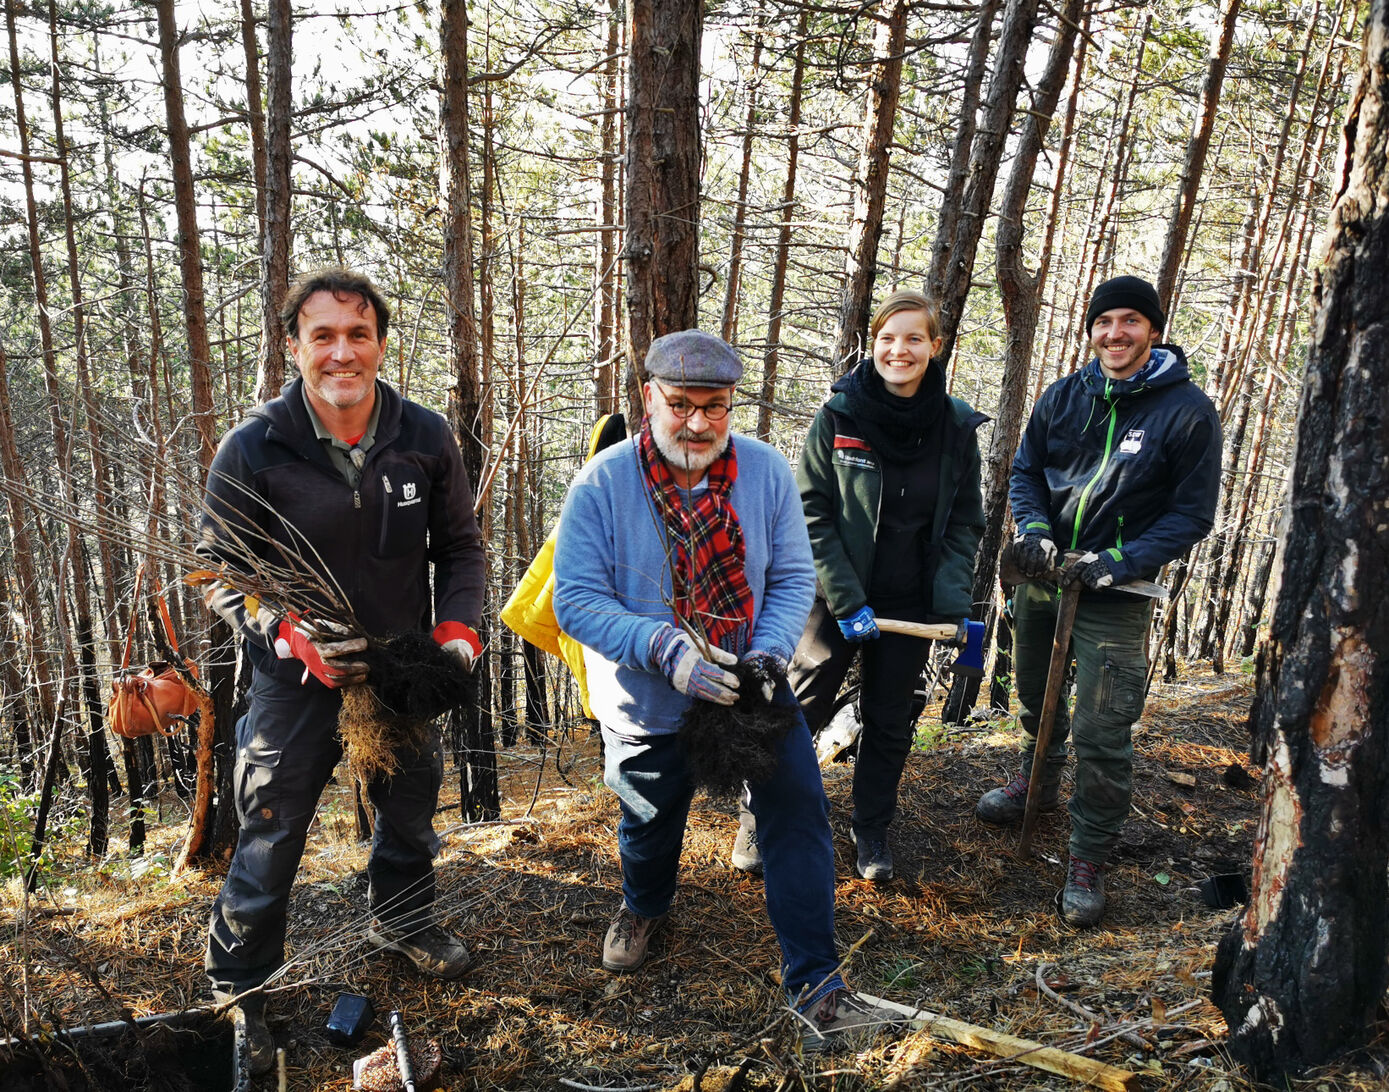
{"points": [[710, 585]]}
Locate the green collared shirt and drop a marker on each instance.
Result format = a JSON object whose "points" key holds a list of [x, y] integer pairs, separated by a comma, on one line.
{"points": [[347, 458]]}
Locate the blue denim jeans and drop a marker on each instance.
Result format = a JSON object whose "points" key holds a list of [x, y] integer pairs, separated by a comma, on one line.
{"points": [[653, 784]]}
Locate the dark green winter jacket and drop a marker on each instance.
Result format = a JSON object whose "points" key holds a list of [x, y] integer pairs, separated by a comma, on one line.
{"points": [[841, 490]]}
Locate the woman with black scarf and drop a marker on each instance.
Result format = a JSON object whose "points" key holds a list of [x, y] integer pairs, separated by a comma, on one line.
{"points": [[889, 477]]}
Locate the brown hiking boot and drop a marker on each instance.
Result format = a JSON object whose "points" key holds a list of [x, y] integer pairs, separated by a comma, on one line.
{"points": [[250, 1032], [430, 949], [747, 854], [1004, 807], [842, 1019], [624, 948]]}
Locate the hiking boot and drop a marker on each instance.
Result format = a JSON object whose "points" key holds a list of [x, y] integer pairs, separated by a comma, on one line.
{"points": [[624, 948], [1082, 900], [432, 951], [747, 854], [1004, 807], [842, 1020], [250, 1031], [874, 858]]}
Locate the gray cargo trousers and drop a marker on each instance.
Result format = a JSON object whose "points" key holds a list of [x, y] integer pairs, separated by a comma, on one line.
{"points": [[1109, 644]]}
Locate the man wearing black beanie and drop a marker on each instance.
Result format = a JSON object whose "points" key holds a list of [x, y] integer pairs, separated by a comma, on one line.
{"points": [[1120, 462]]}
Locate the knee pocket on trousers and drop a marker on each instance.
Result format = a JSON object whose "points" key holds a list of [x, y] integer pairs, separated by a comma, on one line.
{"points": [[1121, 690], [258, 795]]}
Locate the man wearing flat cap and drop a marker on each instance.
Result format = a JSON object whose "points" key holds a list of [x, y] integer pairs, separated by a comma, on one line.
{"points": [[681, 553], [1120, 462]]}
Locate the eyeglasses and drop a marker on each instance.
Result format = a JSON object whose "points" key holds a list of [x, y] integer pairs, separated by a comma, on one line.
{"points": [[713, 411]]}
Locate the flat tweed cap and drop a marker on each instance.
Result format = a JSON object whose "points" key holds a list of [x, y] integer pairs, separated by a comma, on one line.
{"points": [[692, 358]]}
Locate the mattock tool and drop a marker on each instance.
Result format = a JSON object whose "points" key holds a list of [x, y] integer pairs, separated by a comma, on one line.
{"points": [[967, 636], [1067, 578]]}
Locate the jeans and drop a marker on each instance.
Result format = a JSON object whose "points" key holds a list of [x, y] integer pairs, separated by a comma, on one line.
{"points": [[286, 749], [652, 782], [889, 667], [1109, 643]]}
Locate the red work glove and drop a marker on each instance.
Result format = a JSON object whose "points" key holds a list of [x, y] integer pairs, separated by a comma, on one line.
{"points": [[460, 640], [321, 657]]}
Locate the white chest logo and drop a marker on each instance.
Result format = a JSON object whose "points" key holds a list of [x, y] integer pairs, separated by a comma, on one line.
{"points": [[1130, 445], [408, 490]]}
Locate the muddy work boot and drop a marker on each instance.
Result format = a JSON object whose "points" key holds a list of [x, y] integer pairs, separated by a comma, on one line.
{"points": [[251, 1032], [843, 1020], [1082, 899], [874, 857], [629, 935], [1004, 807], [432, 951], [747, 854]]}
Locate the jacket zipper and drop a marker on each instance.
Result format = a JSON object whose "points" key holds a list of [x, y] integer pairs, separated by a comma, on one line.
{"points": [[1104, 462]]}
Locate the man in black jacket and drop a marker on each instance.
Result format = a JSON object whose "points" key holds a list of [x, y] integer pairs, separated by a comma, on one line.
{"points": [[1120, 460], [354, 495]]}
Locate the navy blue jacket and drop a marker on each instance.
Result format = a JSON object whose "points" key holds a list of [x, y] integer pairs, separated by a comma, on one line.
{"points": [[1130, 467], [274, 499]]}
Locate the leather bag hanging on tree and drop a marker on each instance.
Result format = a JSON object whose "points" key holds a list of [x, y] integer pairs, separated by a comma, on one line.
{"points": [[157, 698]]}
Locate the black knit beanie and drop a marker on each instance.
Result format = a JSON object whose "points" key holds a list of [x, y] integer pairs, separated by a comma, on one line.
{"points": [[1132, 292]]}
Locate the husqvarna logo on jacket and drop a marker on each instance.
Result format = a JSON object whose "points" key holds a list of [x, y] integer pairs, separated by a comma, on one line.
{"points": [[408, 495]]}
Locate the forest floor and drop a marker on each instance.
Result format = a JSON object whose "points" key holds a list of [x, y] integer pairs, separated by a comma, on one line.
{"points": [[967, 930]]}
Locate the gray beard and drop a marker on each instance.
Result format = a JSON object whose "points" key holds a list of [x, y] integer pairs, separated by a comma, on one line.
{"points": [[668, 444]]}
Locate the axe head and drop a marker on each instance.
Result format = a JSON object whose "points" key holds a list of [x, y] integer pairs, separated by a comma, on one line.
{"points": [[970, 640]]}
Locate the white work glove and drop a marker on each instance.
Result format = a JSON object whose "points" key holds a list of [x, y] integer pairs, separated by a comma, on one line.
{"points": [[675, 656]]}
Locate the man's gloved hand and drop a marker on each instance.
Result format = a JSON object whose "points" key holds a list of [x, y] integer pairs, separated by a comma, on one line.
{"points": [[460, 640], [1093, 571], [859, 626], [1035, 554], [676, 657], [769, 666], [321, 657]]}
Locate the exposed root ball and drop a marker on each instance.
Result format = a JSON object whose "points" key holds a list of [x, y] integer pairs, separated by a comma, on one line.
{"points": [[726, 745], [411, 681]]}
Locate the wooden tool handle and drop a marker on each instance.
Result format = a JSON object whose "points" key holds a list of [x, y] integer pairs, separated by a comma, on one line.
{"points": [[933, 631]]}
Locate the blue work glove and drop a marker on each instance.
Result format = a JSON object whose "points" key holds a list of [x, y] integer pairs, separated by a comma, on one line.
{"points": [[769, 667], [859, 626], [1035, 555], [1093, 571], [675, 656]]}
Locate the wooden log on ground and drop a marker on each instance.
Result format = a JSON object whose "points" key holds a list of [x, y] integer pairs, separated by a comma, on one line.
{"points": [[1086, 1070]]}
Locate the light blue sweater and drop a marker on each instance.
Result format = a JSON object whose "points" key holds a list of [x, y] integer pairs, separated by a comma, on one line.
{"points": [[612, 580]]}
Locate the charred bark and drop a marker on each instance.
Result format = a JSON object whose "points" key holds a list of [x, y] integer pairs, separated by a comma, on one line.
{"points": [[1303, 970]]}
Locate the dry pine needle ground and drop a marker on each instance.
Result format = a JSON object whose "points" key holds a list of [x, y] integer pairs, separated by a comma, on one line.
{"points": [[967, 929]]}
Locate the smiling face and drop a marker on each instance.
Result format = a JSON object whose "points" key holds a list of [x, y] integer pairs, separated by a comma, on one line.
{"points": [[902, 351], [1122, 340], [338, 354], [689, 439]]}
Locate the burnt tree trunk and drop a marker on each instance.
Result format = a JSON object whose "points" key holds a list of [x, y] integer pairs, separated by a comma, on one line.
{"points": [[870, 187], [1303, 970], [662, 171]]}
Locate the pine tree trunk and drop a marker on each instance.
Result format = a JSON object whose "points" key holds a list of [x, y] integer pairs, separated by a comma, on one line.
{"points": [[1022, 298], [605, 378], [255, 110], [1303, 970], [870, 187], [663, 153], [274, 250], [1019, 17], [1175, 243], [729, 326], [771, 359]]}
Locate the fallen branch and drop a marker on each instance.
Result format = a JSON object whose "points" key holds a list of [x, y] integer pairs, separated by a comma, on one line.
{"points": [[1130, 1037], [1009, 1047]]}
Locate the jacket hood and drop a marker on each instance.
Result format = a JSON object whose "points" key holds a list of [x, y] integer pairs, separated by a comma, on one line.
{"points": [[1166, 366]]}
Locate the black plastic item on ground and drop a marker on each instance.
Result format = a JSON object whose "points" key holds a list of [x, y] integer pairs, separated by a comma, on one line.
{"points": [[726, 745], [351, 1019], [1223, 892]]}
